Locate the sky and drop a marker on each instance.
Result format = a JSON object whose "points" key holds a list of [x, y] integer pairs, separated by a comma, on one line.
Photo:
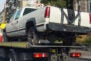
{"points": [[2, 4]]}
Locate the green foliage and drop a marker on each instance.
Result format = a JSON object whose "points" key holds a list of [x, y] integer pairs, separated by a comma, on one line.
{"points": [[58, 3], [87, 40]]}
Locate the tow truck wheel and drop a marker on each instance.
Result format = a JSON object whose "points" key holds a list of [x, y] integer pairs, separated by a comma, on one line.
{"points": [[13, 56], [3, 55], [32, 36], [69, 40]]}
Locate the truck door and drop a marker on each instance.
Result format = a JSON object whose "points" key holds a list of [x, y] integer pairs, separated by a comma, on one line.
{"points": [[24, 19], [13, 27]]}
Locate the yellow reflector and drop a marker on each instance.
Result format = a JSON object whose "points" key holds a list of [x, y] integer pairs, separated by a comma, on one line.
{"points": [[3, 25], [58, 41], [53, 51]]}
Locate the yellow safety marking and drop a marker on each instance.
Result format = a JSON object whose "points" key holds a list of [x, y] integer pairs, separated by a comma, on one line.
{"points": [[58, 41], [15, 44], [3, 25], [53, 51]]}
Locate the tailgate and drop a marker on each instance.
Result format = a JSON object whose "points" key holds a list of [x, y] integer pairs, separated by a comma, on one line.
{"points": [[68, 20], [61, 16]]}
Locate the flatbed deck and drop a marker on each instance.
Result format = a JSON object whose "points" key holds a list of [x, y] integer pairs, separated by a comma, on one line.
{"points": [[27, 45], [14, 44]]}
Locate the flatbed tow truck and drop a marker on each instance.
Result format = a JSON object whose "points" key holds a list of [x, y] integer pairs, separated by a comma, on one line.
{"points": [[24, 51]]}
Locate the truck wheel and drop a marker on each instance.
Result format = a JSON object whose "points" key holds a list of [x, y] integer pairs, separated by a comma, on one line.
{"points": [[3, 55], [13, 56], [4, 36], [69, 40], [32, 36]]}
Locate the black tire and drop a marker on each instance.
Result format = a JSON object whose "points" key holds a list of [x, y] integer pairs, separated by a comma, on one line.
{"points": [[69, 40], [13, 56], [5, 38], [32, 36], [3, 55]]}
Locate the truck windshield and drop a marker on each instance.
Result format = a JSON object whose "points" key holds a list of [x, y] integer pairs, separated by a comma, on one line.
{"points": [[28, 10]]}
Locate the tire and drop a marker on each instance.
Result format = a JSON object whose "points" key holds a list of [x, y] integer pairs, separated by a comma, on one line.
{"points": [[32, 36], [13, 56], [69, 40], [4, 36], [3, 55]]}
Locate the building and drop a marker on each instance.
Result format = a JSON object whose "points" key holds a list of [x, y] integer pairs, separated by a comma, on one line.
{"points": [[1, 17], [89, 6], [85, 5], [12, 5]]}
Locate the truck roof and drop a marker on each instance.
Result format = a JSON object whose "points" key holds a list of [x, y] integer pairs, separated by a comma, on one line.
{"points": [[29, 7]]}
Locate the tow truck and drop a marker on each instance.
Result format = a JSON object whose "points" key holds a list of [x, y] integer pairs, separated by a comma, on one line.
{"points": [[25, 51]]}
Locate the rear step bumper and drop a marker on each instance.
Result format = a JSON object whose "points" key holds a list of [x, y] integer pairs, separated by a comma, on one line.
{"points": [[68, 28]]}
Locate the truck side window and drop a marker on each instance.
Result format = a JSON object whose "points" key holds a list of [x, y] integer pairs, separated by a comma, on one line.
{"points": [[28, 10], [13, 16], [18, 14]]}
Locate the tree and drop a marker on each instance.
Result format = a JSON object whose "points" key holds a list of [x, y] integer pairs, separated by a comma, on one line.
{"points": [[87, 40], [58, 3], [69, 4]]}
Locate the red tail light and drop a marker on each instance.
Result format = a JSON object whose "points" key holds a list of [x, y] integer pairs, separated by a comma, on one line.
{"points": [[90, 18], [47, 12], [1, 38], [75, 54], [40, 55]]}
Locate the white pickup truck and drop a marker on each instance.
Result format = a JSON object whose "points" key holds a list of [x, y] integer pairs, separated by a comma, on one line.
{"points": [[50, 23]]}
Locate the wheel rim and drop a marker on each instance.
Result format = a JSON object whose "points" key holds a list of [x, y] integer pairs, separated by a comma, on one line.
{"points": [[11, 57], [29, 37], [32, 37]]}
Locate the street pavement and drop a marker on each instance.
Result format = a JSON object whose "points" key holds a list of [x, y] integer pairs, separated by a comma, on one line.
{"points": [[76, 59], [85, 55]]}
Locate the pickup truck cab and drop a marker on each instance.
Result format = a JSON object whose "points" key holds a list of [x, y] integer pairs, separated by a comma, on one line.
{"points": [[13, 26]]}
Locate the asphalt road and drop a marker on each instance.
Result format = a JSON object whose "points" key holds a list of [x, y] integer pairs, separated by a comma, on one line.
{"points": [[76, 59], [85, 55], [67, 59]]}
